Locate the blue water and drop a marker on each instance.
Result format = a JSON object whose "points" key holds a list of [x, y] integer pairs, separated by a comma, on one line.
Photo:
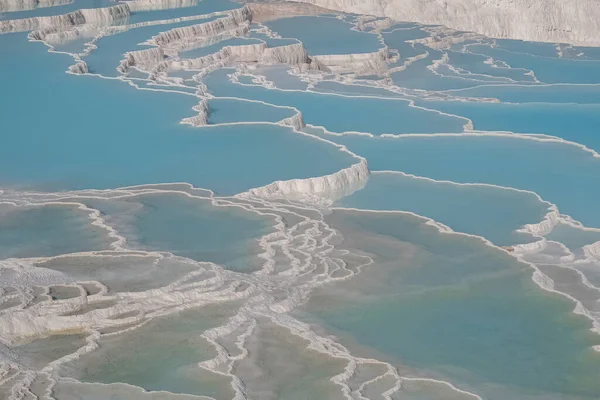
{"points": [[457, 309], [57, 10], [559, 173], [232, 110], [271, 42], [186, 75], [356, 90], [141, 142], [384, 116], [579, 94], [418, 76], [574, 122], [533, 48], [475, 64], [483, 79], [396, 39], [484, 211], [110, 50], [589, 52], [402, 25], [572, 237], [75, 46], [203, 7], [326, 35], [547, 69], [281, 78]]}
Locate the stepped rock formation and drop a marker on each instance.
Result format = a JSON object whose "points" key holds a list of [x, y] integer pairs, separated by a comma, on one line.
{"points": [[153, 5], [292, 54], [340, 181], [143, 58], [92, 16], [576, 22], [267, 11], [25, 5], [375, 62], [215, 27], [201, 119], [79, 68]]}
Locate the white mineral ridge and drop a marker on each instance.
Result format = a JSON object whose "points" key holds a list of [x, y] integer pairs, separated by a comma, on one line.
{"points": [[79, 68], [56, 36], [296, 121], [201, 119], [566, 21], [336, 182], [207, 29], [93, 16], [374, 62], [244, 53], [145, 59], [592, 252], [24, 5], [288, 54], [153, 5], [293, 54]]}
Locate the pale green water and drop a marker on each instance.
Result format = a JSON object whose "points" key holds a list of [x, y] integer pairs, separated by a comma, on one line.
{"points": [[48, 231], [280, 366], [190, 227], [449, 307], [162, 355]]}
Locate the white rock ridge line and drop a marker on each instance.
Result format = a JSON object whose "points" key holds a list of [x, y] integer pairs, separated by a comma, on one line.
{"points": [[592, 252], [79, 68], [266, 11], [24, 5], [201, 119], [94, 16], [576, 21], [145, 59], [292, 54], [296, 121], [362, 63], [187, 34], [154, 5], [336, 182]]}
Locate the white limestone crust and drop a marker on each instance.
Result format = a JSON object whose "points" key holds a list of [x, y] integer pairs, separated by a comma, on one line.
{"points": [[25, 5], [293, 54], [93, 16], [336, 182], [362, 63], [145, 59], [79, 68], [192, 33], [154, 5], [576, 21]]}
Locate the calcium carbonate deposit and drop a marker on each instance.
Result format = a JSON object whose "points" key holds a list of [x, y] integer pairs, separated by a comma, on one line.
{"points": [[322, 199]]}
